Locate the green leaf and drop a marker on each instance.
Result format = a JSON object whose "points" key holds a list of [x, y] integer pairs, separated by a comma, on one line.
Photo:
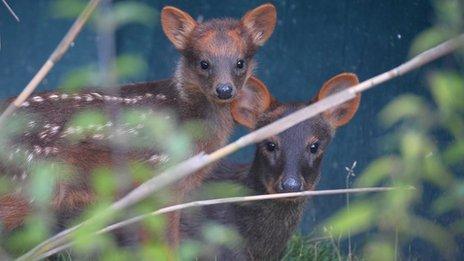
{"points": [[377, 172], [43, 179], [436, 172], [223, 189], [413, 145], [68, 9], [104, 183], [129, 66], [428, 39], [134, 12], [406, 106], [86, 76], [156, 252], [379, 250], [220, 235], [88, 118], [190, 250], [433, 233], [359, 218], [448, 91]]}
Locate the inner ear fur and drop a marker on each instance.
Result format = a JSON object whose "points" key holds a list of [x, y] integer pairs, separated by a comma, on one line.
{"points": [[177, 25], [343, 113], [252, 100], [260, 23]]}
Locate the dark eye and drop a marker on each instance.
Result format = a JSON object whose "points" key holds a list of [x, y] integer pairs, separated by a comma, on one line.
{"points": [[271, 146], [313, 147], [204, 65], [240, 64]]}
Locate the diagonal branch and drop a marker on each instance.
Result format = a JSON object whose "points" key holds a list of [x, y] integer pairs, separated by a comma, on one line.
{"points": [[60, 50], [195, 163]]}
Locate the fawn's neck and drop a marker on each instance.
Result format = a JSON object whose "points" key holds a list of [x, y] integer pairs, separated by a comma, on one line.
{"points": [[216, 117]]}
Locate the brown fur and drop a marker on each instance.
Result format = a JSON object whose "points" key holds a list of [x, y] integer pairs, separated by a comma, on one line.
{"points": [[190, 94], [13, 209], [266, 226]]}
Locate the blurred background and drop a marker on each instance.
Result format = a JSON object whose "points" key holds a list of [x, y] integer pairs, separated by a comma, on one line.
{"points": [[313, 41]]}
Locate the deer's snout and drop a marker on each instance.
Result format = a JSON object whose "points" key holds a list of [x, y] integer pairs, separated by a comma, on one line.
{"points": [[225, 91], [290, 184]]}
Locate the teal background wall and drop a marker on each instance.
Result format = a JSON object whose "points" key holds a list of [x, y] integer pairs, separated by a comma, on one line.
{"points": [[313, 41]]}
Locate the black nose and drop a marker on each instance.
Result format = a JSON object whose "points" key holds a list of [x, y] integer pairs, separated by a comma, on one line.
{"points": [[224, 91], [291, 185]]}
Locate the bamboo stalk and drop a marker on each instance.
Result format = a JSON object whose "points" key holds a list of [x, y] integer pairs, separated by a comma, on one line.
{"points": [[57, 54], [185, 168], [209, 202]]}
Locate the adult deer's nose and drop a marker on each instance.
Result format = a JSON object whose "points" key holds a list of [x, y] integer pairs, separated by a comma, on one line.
{"points": [[290, 185]]}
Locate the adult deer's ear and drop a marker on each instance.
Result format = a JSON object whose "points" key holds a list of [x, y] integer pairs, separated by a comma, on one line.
{"points": [[252, 100], [260, 23], [177, 25], [343, 113]]}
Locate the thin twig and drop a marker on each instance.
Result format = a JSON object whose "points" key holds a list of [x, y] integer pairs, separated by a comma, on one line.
{"points": [[11, 10], [185, 168], [60, 50], [209, 202]]}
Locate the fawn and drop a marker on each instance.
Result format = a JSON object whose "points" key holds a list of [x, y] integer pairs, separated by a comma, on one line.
{"points": [[288, 162], [216, 64]]}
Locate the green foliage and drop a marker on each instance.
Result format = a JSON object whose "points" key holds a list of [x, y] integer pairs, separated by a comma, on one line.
{"points": [[449, 23], [416, 159], [127, 67], [122, 13], [311, 248]]}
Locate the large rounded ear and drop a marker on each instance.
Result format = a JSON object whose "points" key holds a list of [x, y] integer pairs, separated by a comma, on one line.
{"points": [[177, 25], [260, 23], [253, 99], [343, 113]]}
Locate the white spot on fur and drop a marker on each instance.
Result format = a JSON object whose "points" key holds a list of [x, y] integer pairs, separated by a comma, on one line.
{"points": [[161, 97], [157, 158], [88, 97], [25, 104], [37, 99], [97, 95], [54, 97], [98, 136], [37, 149]]}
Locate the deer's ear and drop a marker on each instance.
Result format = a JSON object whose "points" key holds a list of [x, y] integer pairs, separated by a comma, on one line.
{"points": [[253, 99], [177, 25], [343, 113], [260, 23]]}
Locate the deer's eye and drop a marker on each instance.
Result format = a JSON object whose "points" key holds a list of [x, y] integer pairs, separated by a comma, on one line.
{"points": [[204, 65], [240, 64], [271, 146], [314, 147]]}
